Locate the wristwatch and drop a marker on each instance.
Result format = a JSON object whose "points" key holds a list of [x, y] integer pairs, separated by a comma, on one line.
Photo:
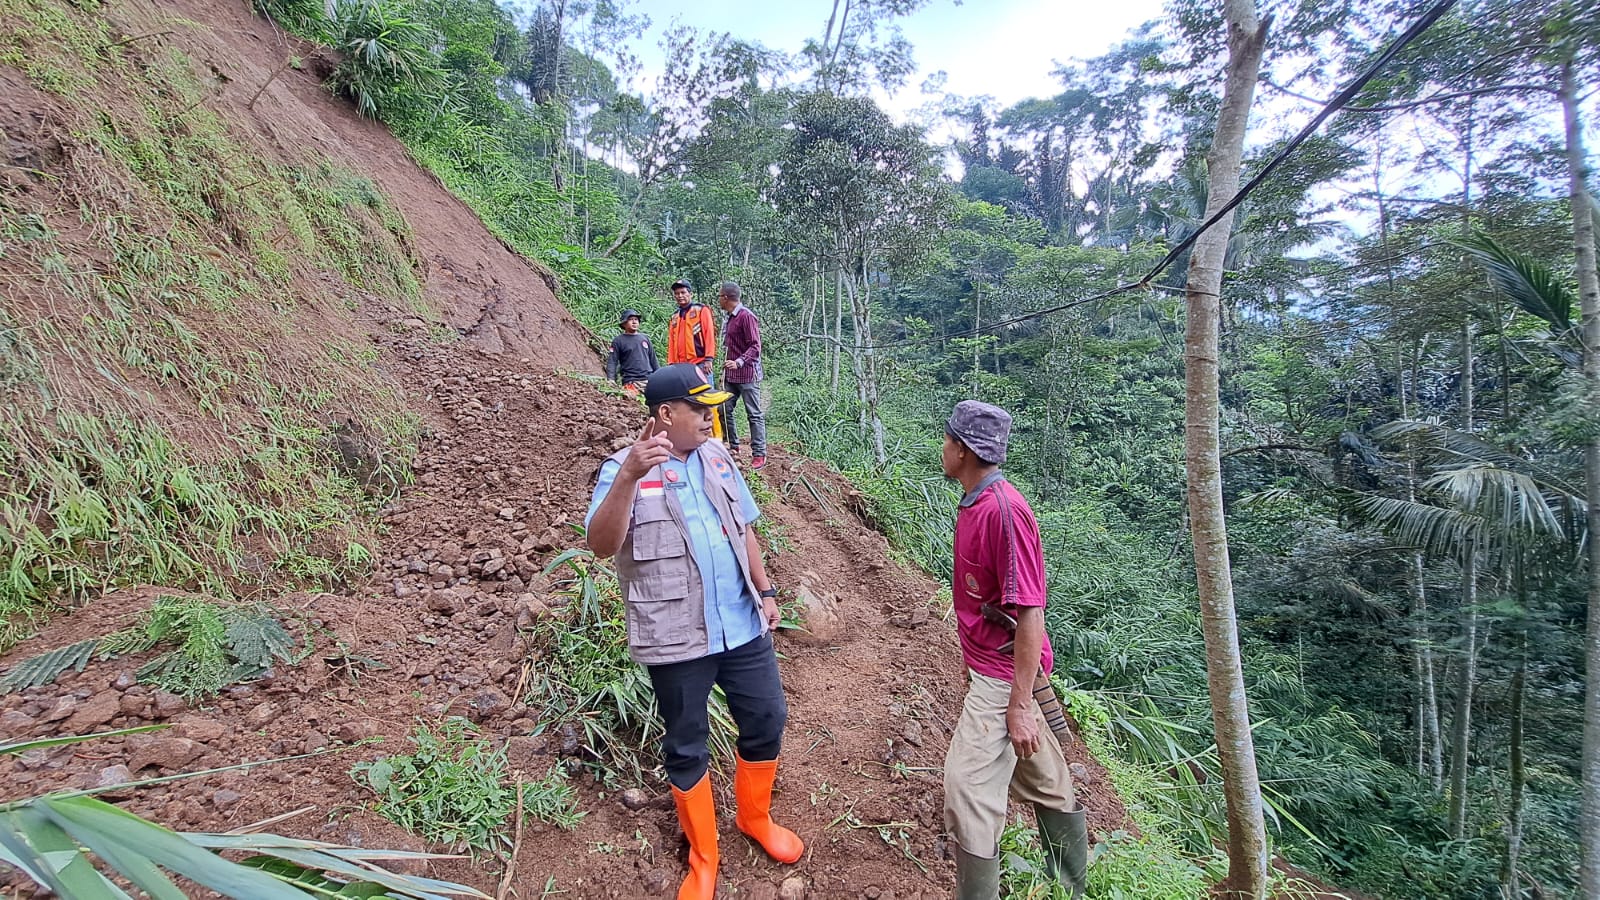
{"points": [[769, 593]]}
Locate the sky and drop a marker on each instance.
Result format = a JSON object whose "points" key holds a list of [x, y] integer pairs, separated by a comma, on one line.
{"points": [[1005, 49]]}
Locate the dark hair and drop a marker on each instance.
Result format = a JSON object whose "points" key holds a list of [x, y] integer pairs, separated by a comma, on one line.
{"points": [[729, 289], [681, 284]]}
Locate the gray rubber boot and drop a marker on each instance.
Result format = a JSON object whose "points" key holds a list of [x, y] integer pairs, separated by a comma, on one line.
{"points": [[1066, 846], [977, 878]]}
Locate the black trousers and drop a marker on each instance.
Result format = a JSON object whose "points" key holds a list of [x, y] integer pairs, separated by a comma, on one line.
{"points": [[748, 675]]}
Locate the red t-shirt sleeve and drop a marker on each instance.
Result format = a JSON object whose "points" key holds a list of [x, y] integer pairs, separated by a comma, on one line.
{"points": [[1019, 559]]}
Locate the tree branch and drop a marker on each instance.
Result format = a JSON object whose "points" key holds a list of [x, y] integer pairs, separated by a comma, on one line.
{"points": [[1259, 448]]}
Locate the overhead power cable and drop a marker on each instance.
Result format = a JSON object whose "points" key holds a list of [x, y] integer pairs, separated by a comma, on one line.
{"points": [[1338, 101]]}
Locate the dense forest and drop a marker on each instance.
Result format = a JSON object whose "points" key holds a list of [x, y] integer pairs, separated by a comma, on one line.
{"points": [[1404, 404]]}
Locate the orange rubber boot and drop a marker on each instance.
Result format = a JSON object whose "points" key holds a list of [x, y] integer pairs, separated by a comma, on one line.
{"points": [[752, 786], [697, 815]]}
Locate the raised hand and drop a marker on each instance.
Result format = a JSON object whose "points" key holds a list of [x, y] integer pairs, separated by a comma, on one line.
{"points": [[650, 450]]}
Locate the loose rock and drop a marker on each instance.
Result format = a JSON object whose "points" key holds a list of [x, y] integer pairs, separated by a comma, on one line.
{"points": [[168, 704], [172, 753], [262, 715]]}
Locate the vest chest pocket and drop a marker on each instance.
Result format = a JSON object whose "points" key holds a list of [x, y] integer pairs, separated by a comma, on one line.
{"points": [[655, 535]]}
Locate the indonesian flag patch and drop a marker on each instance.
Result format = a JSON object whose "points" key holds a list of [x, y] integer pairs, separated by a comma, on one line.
{"points": [[650, 488]]}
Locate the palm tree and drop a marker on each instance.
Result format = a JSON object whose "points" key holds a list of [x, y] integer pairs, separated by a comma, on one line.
{"points": [[1485, 503]]}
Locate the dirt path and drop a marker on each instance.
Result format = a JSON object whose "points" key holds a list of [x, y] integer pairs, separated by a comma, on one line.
{"points": [[507, 466]]}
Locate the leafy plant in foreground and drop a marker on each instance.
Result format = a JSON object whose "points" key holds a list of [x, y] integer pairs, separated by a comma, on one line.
{"points": [[452, 790], [552, 799], [217, 645]]}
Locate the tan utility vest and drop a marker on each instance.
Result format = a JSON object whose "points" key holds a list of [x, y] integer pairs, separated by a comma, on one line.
{"points": [[663, 590]]}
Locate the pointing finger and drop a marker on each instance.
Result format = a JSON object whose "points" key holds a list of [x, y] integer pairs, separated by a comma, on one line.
{"points": [[649, 428]]}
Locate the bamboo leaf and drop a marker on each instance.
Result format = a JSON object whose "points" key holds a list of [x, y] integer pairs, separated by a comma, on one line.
{"points": [[168, 849], [136, 868], [25, 746], [62, 855]]}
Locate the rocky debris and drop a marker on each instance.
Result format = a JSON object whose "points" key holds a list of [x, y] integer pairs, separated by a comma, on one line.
{"points": [[170, 753], [261, 715], [224, 799], [915, 617], [14, 723], [108, 777], [530, 611], [203, 730], [136, 703], [1080, 773], [95, 713], [168, 704], [655, 882], [314, 741], [487, 704], [357, 730], [793, 888], [444, 603], [819, 610], [634, 799], [912, 733], [64, 707]]}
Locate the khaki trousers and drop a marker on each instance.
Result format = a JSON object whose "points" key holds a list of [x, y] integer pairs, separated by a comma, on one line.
{"points": [[982, 768]]}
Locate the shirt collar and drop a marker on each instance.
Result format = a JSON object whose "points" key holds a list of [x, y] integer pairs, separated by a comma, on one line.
{"points": [[737, 308], [977, 491]]}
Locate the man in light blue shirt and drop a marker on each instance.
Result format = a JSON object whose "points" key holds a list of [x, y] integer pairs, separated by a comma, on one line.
{"points": [[733, 612], [677, 516]]}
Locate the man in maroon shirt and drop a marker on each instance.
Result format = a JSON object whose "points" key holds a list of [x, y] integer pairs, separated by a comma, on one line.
{"points": [[1000, 745], [741, 335]]}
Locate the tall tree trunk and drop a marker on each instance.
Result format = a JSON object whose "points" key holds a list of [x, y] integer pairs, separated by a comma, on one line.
{"points": [[1230, 715], [1429, 696], [838, 328], [811, 311], [1509, 876], [869, 387], [1589, 299], [977, 324], [1461, 723]]}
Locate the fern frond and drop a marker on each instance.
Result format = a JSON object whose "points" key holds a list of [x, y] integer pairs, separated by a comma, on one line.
{"points": [[255, 638], [47, 667]]}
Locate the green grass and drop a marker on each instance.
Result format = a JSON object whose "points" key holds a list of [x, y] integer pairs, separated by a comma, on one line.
{"points": [[588, 685], [168, 421], [452, 790]]}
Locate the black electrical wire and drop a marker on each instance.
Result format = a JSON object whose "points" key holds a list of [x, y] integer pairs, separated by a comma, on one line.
{"points": [[1339, 101]]}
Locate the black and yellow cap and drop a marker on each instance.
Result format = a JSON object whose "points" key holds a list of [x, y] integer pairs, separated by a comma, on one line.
{"points": [[681, 381]]}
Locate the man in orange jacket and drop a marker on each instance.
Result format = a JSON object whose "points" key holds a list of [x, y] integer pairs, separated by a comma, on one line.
{"points": [[692, 338], [692, 332]]}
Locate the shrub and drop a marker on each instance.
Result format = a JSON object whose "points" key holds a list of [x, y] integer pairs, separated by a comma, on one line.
{"points": [[452, 790], [389, 67]]}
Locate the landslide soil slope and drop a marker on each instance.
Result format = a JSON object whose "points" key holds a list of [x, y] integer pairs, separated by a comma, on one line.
{"points": [[509, 464], [506, 465]]}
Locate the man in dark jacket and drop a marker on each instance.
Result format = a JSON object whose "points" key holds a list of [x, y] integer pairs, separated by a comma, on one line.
{"points": [[742, 373], [632, 358]]}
